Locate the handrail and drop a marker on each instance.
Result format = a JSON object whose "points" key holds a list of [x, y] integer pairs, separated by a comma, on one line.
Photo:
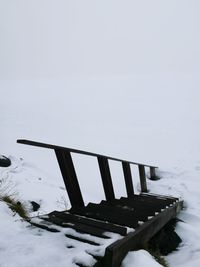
{"points": [[67, 168], [77, 151]]}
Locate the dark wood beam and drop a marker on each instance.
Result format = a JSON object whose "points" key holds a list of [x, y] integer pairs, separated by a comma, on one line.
{"points": [[128, 178], [106, 178], [69, 176], [143, 182]]}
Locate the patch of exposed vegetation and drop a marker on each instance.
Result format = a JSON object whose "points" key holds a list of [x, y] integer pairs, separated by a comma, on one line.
{"points": [[9, 196], [16, 206]]}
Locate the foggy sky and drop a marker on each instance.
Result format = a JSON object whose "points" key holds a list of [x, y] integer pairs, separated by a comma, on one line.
{"points": [[46, 39]]}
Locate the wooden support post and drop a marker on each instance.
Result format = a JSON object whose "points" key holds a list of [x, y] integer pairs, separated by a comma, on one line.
{"points": [[69, 176], [106, 178], [153, 174], [128, 178], [142, 178]]}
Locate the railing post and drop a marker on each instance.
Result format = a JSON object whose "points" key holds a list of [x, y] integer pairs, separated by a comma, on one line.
{"points": [[153, 173], [143, 182], [106, 178], [128, 178], [69, 176]]}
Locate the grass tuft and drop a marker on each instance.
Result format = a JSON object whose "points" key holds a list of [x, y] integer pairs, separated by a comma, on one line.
{"points": [[9, 196], [16, 206]]}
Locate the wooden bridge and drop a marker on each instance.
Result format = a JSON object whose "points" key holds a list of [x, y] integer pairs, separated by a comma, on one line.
{"points": [[114, 226]]}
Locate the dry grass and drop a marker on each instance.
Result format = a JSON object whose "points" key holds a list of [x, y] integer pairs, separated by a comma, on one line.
{"points": [[9, 196]]}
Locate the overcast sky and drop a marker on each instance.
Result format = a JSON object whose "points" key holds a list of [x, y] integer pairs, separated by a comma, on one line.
{"points": [[53, 39]]}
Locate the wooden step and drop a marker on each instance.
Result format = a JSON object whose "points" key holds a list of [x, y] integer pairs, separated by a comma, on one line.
{"points": [[111, 214], [79, 227], [106, 226]]}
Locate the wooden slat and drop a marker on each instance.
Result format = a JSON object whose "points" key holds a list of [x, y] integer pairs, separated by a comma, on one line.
{"points": [[111, 214], [128, 178], [144, 206], [137, 206], [43, 226], [69, 176], [149, 200], [50, 228], [79, 227], [106, 178], [154, 198], [157, 196], [136, 211], [88, 221], [82, 239]]}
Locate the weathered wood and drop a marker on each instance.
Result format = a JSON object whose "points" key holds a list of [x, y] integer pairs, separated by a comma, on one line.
{"points": [[51, 228], [43, 226], [89, 221], [116, 252], [137, 206], [82, 239], [79, 227], [50, 146], [114, 215], [149, 199], [157, 196], [106, 178], [153, 173], [69, 176], [128, 178], [146, 213], [154, 200], [142, 174]]}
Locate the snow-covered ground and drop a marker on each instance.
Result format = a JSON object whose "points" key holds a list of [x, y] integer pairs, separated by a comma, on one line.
{"points": [[115, 78], [157, 126]]}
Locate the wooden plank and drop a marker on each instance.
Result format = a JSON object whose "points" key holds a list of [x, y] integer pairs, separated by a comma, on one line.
{"points": [[69, 176], [153, 195], [79, 227], [82, 239], [128, 178], [106, 178], [116, 252], [154, 199], [148, 200], [143, 182], [55, 147], [137, 206], [88, 221], [111, 214], [143, 200], [107, 216], [42, 224], [136, 211]]}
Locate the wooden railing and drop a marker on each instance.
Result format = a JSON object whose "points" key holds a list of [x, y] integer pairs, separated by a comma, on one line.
{"points": [[68, 171]]}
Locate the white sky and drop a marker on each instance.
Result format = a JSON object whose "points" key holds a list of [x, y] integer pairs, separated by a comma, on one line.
{"points": [[52, 39], [146, 55]]}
